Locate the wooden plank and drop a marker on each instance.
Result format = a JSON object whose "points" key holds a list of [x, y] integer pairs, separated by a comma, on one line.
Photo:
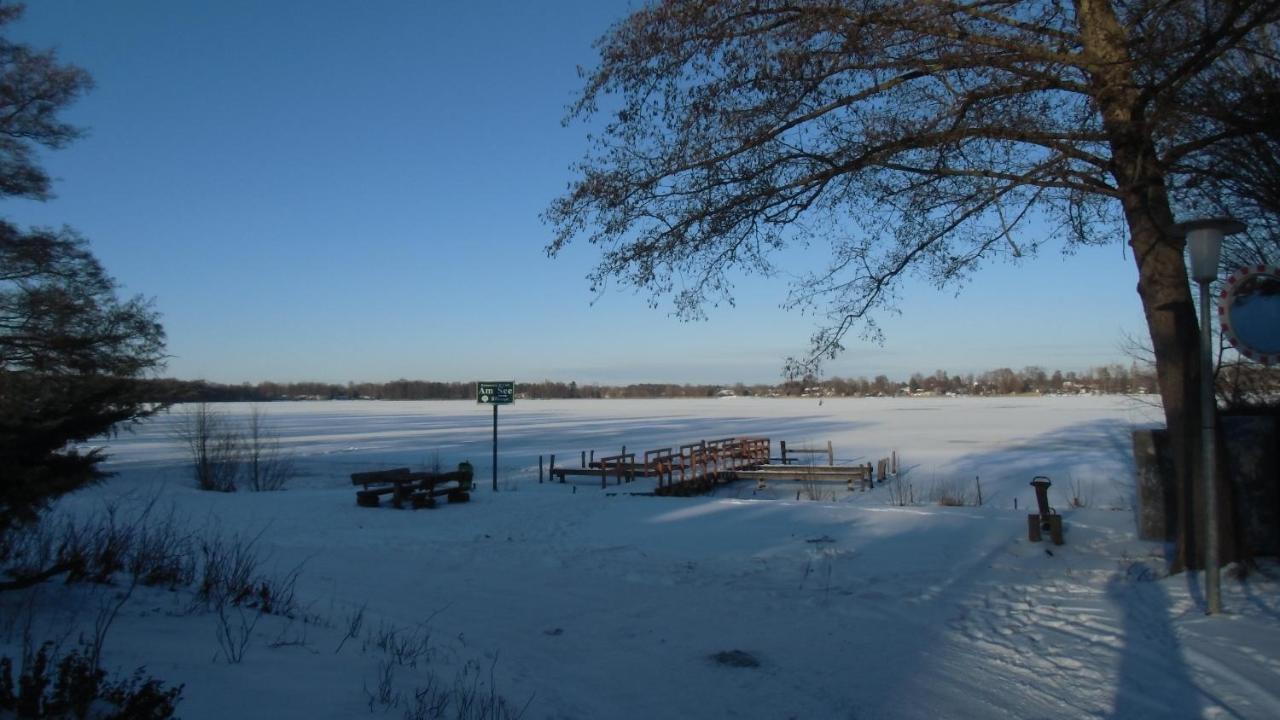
{"points": [[842, 475], [811, 470], [401, 476], [622, 465], [659, 463], [631, 467], [378, 476], [815, 469], [823, 477], [588, 472]]}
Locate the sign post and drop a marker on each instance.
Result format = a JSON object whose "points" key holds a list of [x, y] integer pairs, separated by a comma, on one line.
{"points": [[495, 393]]}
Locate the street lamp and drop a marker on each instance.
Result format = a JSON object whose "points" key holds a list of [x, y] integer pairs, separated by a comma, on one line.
{"points": [[1204, 244]]}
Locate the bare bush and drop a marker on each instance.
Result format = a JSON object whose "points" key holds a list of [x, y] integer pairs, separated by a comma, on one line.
{"points": [[97, 553], [75, 686], [475, 699], [108, 610], [355, 620], [234, 630], [402, 646], [293, 634], [163, 555], [901, 493], [150, 552], [266, 466], [97, 549], [1081, 495], [949, 493], [215, 450], [429, 701], [229, 575], [471, 695], [227, 570]]}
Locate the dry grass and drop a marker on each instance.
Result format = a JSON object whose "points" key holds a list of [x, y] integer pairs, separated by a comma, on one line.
{"points": [[950, 493]]}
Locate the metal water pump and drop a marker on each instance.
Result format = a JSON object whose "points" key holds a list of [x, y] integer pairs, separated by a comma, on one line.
{"points": [[1047, 519]]}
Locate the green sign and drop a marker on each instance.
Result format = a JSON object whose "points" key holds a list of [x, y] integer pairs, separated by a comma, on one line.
{"points": [[500, 392]]}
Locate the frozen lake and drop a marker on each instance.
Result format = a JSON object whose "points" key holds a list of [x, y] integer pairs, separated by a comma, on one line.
{"points": [[1004, 441]]}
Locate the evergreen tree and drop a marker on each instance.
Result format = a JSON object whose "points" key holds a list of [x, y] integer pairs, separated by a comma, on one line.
{"points": [[71, 352]]}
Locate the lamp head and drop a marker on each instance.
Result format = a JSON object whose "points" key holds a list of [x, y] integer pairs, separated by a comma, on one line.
{"points": [[1204, 243]]}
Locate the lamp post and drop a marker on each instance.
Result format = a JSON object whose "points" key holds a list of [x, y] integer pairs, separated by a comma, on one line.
{"points": [[1204, 244]]}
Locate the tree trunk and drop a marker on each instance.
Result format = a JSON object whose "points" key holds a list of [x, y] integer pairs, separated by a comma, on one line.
{"points": [[1171, 321], [1162, 275]]}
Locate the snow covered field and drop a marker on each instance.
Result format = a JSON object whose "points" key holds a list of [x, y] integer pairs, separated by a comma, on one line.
{"points": [[579, 603]]}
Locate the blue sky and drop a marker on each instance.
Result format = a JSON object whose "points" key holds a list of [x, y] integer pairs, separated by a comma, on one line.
{"points": [[350, 191]]}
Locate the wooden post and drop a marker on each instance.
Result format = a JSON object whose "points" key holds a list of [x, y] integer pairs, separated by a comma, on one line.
{"points": [[584, 458], [783, 444], [978, 481], [895, 463], [592, 458], [1055, 529], [551, 472], [495, 447], [539, 469], [831, 456]]}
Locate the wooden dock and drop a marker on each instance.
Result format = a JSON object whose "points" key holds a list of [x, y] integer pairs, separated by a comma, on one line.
{"points": [[699, 467], [691, 468], [848, 474]]}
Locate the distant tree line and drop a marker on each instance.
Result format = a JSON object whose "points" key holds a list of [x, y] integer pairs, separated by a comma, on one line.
{"points": [[1110, 379]]}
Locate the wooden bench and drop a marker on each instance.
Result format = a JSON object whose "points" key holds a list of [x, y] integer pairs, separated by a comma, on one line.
{"points": [[417, 489]]}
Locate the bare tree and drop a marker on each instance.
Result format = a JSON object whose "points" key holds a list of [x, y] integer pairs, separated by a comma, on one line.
{"points": [[213, 447], [915, 136], [266, 465], [1240, 176]]}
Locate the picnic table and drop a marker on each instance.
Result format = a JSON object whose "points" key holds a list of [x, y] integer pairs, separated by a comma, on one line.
{"points": [[414, 489]]}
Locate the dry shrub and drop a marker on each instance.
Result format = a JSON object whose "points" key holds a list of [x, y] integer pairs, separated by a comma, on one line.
{"points": [[949, 493]]}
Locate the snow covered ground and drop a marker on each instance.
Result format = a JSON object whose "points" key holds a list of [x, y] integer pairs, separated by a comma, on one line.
{"points": [[573, 602]]}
